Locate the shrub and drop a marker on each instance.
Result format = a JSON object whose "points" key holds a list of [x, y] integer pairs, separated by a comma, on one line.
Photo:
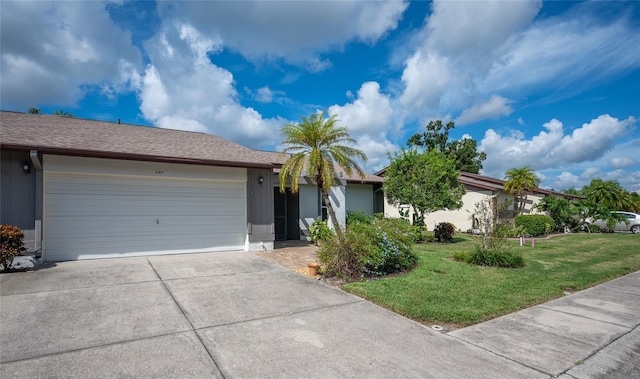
{"points": [[504, 230], [391, 248], [444, 231], [461, 256], [375, 249], [495, 258], [320, 231], [535, 225], [11, 245], [358, 217], [343, 259]]}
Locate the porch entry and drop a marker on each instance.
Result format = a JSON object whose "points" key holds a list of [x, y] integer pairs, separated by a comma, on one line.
{"points": [[287, 215]]}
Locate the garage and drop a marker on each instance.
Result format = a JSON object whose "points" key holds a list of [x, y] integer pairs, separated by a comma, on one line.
{"points": [[103, 208]]}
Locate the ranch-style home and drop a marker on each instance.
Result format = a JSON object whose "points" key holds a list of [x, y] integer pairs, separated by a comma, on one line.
{"points": [[478, 187], [84, 189]]}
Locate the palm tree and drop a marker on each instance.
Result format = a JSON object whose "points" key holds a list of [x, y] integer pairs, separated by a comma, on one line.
{"points": [[62, 113], [33, 110], [316, 145], [608, 194], [519, 182]]}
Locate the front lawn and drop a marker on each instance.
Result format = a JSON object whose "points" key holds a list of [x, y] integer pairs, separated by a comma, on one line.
{"points": [[441, 290]]}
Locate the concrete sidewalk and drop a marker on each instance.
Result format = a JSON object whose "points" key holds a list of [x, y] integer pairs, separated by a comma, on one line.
{"points": [[593, 333], [237, 315]]}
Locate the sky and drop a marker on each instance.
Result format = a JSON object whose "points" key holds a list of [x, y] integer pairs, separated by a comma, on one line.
{"points": [[552, 85]]}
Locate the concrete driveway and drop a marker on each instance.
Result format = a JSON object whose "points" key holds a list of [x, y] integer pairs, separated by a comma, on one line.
{"points": [[231, 315]]}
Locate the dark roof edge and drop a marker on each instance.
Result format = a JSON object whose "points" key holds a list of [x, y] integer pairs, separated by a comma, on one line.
{"points": [[478, 185], [135, 157]]}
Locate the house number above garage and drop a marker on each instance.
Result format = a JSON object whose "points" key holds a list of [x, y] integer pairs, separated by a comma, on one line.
{"points": [[159, 172]]}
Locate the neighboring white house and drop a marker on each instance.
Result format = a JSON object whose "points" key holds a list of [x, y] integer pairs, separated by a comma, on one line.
{"points": [[478, 187]]}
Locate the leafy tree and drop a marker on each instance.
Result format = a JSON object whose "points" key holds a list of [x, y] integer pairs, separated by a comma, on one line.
{"points": [[33, 110], [426, 181], [465, 151], [588, 211], [560, 210], [316, 145], [519, 182]]}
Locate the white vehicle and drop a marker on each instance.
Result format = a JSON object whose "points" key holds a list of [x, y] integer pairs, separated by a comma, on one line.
{"points": [[631, 222]]}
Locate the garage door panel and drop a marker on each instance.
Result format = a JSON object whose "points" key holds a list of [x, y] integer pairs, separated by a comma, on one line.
{"points": [[142, 187], [92, 216], [107, 205], [118, 226]]}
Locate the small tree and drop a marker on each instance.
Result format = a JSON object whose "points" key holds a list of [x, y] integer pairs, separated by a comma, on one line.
{"points": [[426, 181], [560, 210], [484, 217]]}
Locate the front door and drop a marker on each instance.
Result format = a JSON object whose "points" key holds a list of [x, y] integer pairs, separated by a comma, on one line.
{"points": [[286, 213]]}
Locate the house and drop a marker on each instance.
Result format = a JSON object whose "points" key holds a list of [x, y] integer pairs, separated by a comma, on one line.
{"points": [[478, 187], [84, 189]]}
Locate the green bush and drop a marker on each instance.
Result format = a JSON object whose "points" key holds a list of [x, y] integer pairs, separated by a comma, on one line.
{"points": [[358, 217], [443, 232], [11, 245], [461, 256], [320, 231], [535, 225], [375, 249], [495, 258], [504, 230]]}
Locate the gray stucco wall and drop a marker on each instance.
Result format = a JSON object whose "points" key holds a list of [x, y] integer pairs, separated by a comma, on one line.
{"points": [[18, 204]]}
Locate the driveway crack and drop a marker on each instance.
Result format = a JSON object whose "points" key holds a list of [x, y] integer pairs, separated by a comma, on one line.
{"points": [[186, 318]]}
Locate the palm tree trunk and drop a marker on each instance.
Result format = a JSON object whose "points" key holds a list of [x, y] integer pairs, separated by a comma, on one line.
{"points": [[332, 214]]}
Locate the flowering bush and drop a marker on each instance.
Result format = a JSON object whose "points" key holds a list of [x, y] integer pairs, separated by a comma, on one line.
{"points": [[380, 248], [11, 245]]}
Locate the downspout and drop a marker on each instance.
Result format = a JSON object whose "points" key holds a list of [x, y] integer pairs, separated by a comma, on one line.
{"points": [[35, 160], [37, 165]]}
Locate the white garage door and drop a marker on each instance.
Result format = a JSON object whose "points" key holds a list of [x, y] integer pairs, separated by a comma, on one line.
{"points": [[94, 216]]}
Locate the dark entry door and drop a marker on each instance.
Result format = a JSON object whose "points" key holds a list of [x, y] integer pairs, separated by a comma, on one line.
{"points": [[286, 212]]}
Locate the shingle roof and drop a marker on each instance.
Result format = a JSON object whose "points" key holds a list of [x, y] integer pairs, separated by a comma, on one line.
{"points": [[279, 158], [492, 184], [76, 136]]}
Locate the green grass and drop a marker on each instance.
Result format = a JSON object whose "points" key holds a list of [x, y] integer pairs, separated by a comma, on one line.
{"points": [[441, 290]]}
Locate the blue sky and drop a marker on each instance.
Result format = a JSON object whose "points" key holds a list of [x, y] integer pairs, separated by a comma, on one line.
{"points": [[552, 85]]}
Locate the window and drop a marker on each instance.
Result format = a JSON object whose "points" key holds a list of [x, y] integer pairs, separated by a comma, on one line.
{"points": [[323, 208]]}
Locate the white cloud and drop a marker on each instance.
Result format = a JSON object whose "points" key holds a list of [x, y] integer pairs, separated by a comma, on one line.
{"points": [[622, 162], [469, 51], [566, 49], [521, 122], [461, 42], [55, 52], [264, 95], [551, 148], [494, 108], [294, 31], [627, 179], [457, 27], [182, 89], [368, 118]]}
